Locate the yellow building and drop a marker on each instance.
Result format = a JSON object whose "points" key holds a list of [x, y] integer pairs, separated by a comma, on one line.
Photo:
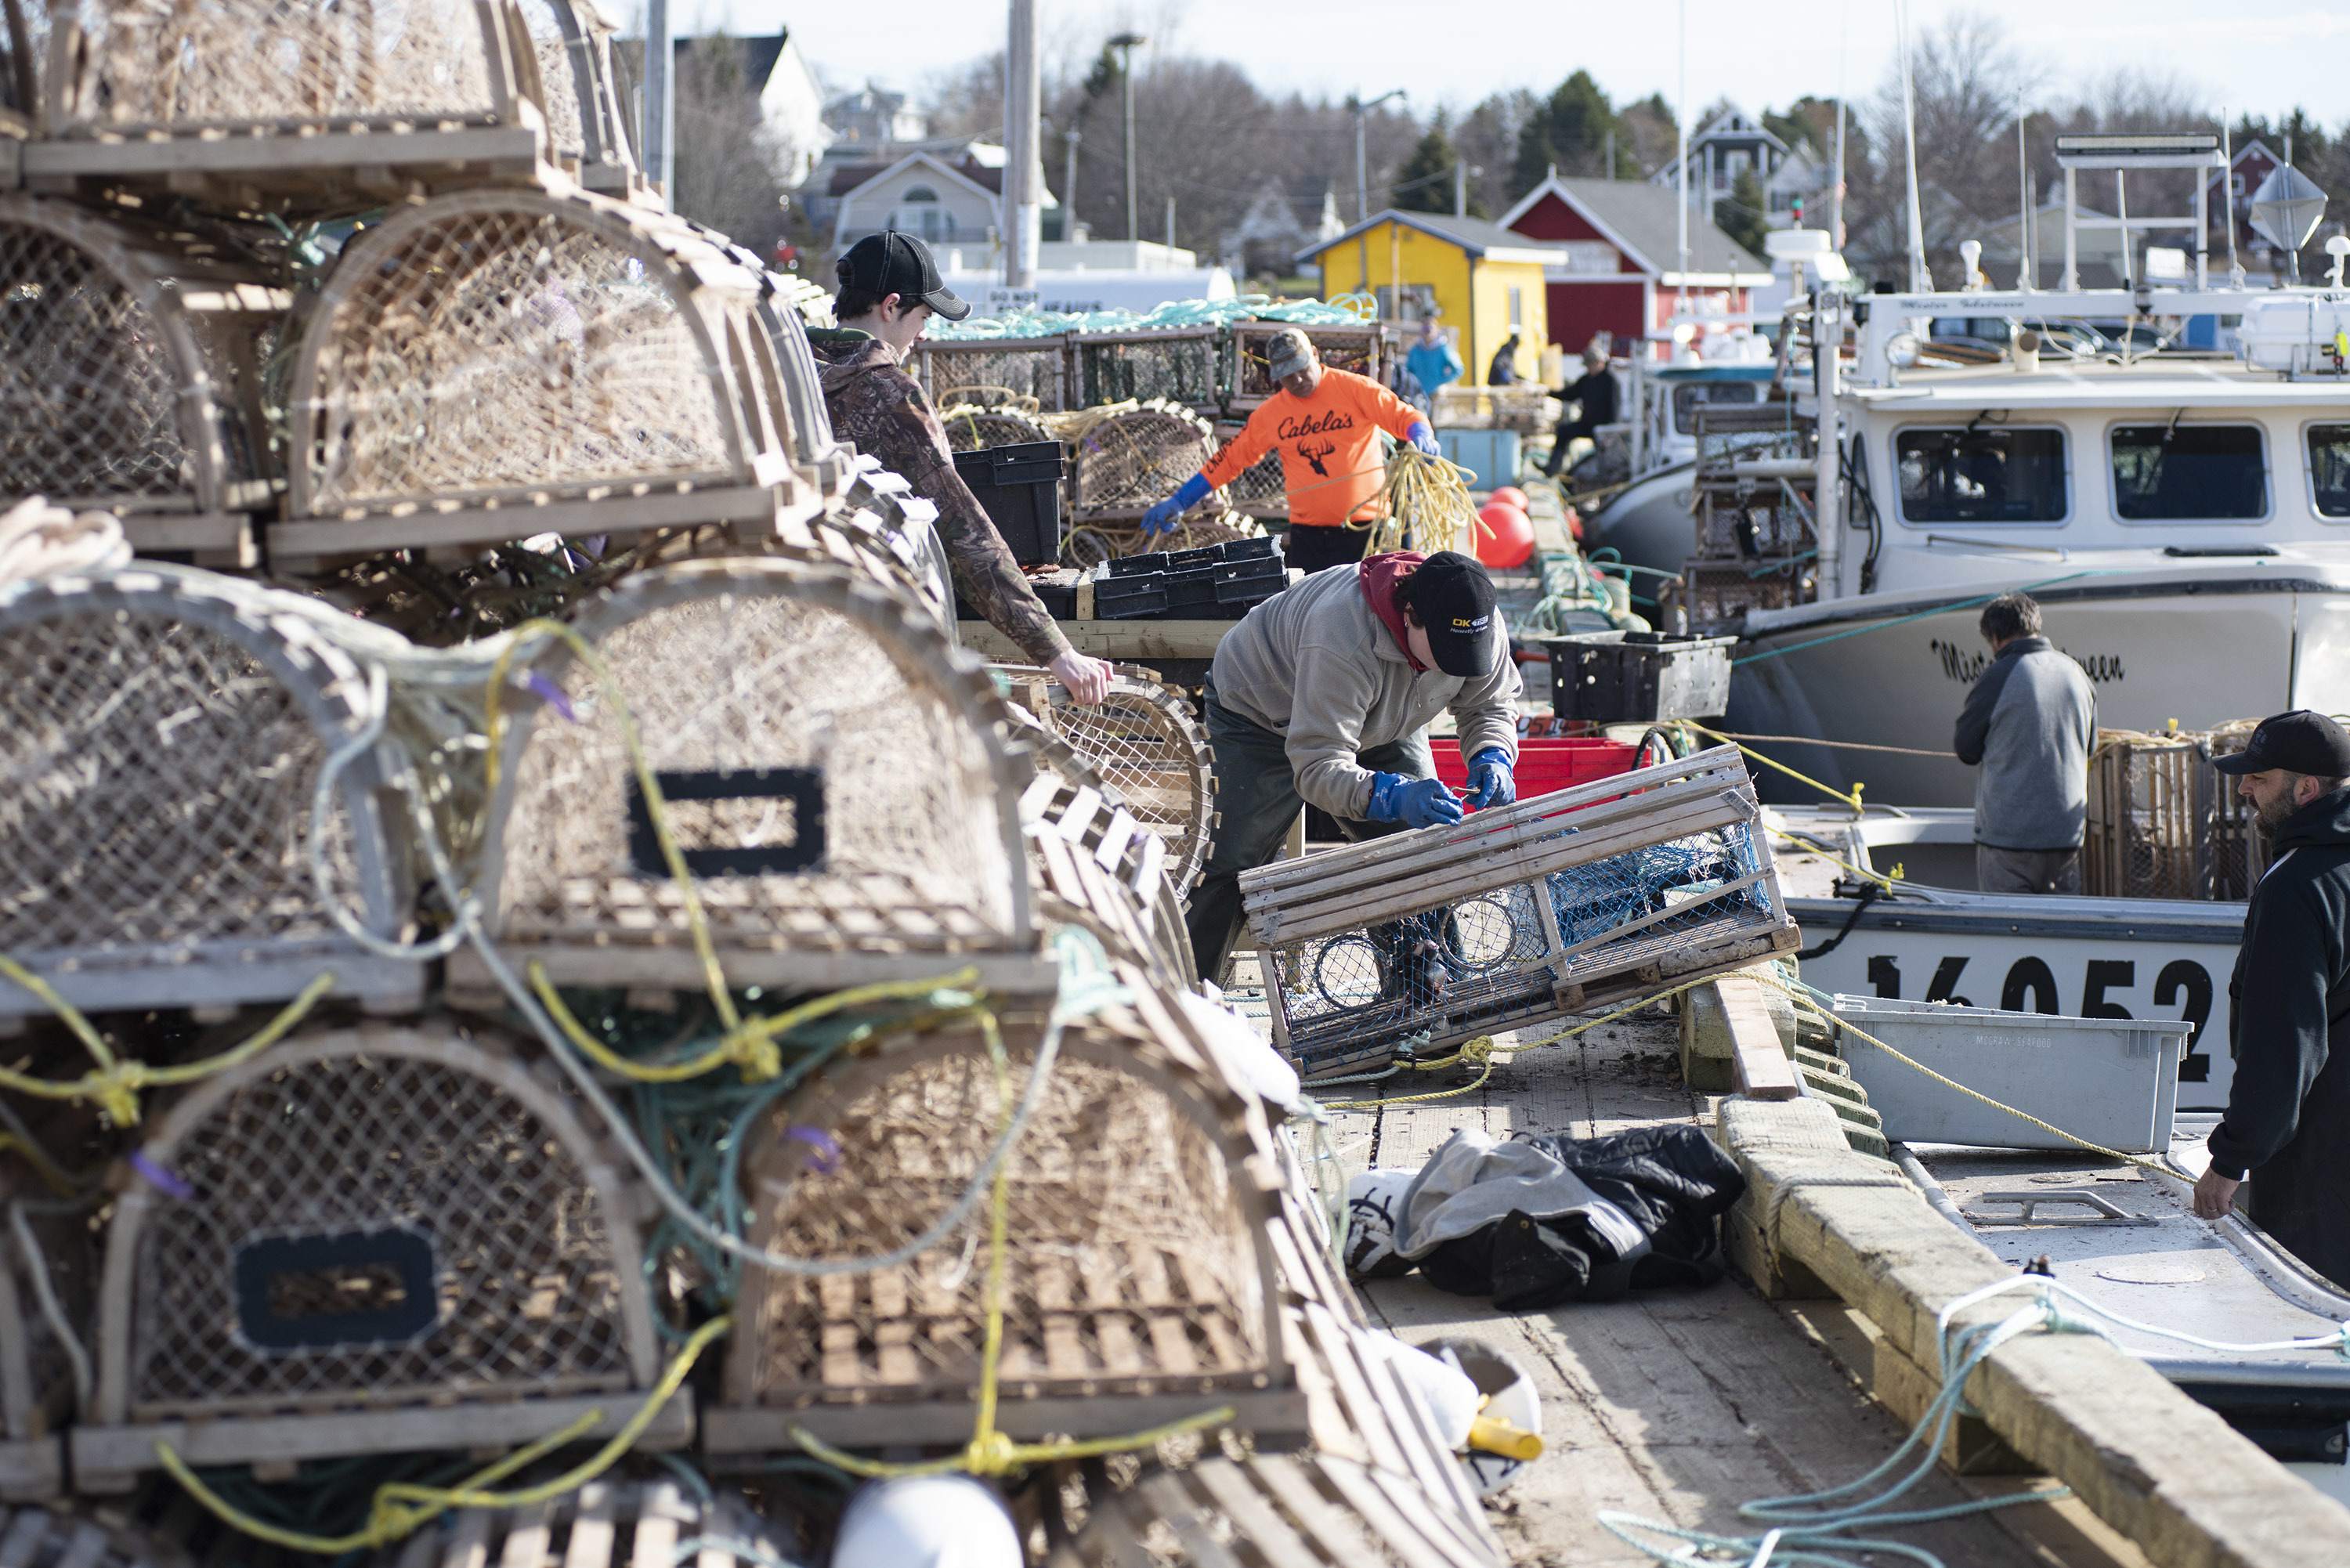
{"points": [[1485, 281]]}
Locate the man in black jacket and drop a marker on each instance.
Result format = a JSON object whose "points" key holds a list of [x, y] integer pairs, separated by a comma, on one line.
{"points": [[2288, 1121], [1594, 397]]}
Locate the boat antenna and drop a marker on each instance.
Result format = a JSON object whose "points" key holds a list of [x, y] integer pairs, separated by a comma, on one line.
{"points": [[1836, 207], [1920, 279], [2228, 194], [1681, 116], [2024, 258]]}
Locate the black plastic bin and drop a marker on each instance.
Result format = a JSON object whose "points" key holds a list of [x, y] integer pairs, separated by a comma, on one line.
{"points": [[1135, 598], [1020, 488], [1638, 677]]}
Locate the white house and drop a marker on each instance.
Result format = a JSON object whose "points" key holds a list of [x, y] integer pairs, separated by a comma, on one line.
{"points": [[942, 202], [791, 104], [1271, 233]]}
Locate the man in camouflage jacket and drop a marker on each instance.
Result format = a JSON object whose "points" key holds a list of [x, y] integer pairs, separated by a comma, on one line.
{"points": [[889, 288]]}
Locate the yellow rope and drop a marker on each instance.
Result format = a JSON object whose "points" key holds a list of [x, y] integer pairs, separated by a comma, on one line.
{"points": [[751, 1045], [656, 807], [115, 1085], [399, 1507], [1850, 797], [1426, 497], [1803, 999]]}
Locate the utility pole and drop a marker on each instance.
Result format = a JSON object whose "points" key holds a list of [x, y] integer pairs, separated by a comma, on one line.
{"points": [[1170, 229], [657, 135], [1126, 44], [1361, 111], [1069, 189], [1023, 167]]}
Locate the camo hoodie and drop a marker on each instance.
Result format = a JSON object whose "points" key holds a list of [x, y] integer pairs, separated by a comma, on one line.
{"points": [[874, 404]]}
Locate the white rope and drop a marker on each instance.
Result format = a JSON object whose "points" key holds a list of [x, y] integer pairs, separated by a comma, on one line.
{"points": [[37, 1264]]}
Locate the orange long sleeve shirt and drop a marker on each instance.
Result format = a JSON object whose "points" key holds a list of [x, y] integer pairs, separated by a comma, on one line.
{"points": [[1330, 461]]}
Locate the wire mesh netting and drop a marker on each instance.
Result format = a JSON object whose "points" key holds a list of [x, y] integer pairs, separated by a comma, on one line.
{"points": [[2163, 825], [1180, 368], [1466, 964], [374, 1215], [1260, 490], [560, 54], [1136, 459], [830, 779], [972, 428], [517, 344], [157, 758], [241, 62], [1130, 1265], [92, 380], [962, 372], [1354, 348], [1143, 742]]}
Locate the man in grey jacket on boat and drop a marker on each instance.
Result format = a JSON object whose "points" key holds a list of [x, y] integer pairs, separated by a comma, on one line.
{"points": [[2030, 722]]}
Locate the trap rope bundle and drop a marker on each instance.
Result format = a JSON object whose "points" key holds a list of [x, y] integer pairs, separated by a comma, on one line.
{"points": [[1145, 742], [835, 776], [370, 1241], [129, 374], [1126, 1280], [314, 111], [494, 365], [1516, 915], [165, 737], [1424, 499], [1126, 463]]}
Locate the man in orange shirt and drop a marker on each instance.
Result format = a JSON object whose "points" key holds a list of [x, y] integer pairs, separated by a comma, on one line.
{"points": [[1327, 423]]}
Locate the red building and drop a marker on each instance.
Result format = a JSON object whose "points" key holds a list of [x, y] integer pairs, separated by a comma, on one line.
{"points": [[1622, 274]]}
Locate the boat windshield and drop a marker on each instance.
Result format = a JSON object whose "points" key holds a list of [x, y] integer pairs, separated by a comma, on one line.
{"points": [[2172, 472], [1982, 475], [1688, 396], [2329, 469]]}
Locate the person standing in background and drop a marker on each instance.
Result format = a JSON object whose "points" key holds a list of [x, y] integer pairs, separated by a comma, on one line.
{"points": [[1433, 361], [1503, 370], [2030, 722]]}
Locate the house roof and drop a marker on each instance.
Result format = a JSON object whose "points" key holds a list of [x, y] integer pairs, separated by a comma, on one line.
{"points": [[1491, 242], [1644, 222]]}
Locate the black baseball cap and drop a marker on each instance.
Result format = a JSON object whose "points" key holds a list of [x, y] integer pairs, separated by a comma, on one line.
{"points": [[900, 264], [2300, 742], [1453, 598]]}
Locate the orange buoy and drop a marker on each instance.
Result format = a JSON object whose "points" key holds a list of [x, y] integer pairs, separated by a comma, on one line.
{"points": [[1506, 537]]}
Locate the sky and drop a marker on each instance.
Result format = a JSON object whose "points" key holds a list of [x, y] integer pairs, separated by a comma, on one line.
{"points": [[2260, 60]]}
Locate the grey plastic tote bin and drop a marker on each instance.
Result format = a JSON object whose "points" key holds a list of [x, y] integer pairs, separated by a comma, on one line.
{"points": [[2113, 1081]]}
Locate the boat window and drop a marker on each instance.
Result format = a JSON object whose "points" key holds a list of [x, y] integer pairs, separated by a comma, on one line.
{"points": [[2329, 469], [2170, 472], [1987, 474], [1689, 394]]}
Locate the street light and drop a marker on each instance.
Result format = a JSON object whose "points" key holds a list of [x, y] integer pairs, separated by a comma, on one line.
{"points": [[1360, 111], [1128, 42]]}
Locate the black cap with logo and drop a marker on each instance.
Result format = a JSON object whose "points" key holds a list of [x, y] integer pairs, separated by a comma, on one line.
{"points": [[1453, 597], [2301, 742], [899, 263]]}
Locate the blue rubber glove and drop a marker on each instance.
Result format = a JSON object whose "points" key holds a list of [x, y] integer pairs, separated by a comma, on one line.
{"points": [[1162, 517], [1415, 803], [1490, 783], [1422, 437]]}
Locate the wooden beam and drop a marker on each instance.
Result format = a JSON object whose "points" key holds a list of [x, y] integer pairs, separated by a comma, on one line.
{"points": [[1757, 1057]]}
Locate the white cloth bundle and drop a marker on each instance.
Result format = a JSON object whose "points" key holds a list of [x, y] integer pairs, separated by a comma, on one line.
{"points": [[38, 540]]}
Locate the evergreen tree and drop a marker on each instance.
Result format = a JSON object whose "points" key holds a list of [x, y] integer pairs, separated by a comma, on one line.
{"points": [[1570, 130], [1740, 216], [1424, 184]]}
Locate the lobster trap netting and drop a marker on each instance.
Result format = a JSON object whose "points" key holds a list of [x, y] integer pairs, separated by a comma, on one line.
{"points": [[489, 345], [567, 90], [371, 1217], [973, 428], [1354, 348], [1132, 1264], [229, 63], [1144, 743], [160, 740], [1031, 373], [831, 775], [1260, 490], [1178, 368], [1132, 459], [113, 398]]}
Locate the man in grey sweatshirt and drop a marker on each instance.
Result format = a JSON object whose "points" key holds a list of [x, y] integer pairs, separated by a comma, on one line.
{"points": [[2030, 721]]}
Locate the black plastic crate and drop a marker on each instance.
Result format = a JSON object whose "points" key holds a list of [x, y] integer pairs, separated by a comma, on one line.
{"points": [[1262, 547], [1019, 487], [1190, 588], [1059, 599], [1136, 565], [1250, 582], [1638, 677], [1131, 597], [1185, 560]]}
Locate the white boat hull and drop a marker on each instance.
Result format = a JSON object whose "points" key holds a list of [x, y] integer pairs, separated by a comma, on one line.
{"points": [[1647, 524]]}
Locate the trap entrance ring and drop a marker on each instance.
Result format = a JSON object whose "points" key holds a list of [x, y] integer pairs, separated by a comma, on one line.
{"points": [[129, 371], [379, 1240], [862, 823], [497, 364], [1141, 1281], [159, 750], [1144, 743]]}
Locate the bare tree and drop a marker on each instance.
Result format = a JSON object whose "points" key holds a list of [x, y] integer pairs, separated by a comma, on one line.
{"points": [[730, 162]]}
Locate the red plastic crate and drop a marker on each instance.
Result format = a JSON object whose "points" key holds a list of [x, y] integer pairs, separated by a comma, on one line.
{"points": [[1544, 765]]}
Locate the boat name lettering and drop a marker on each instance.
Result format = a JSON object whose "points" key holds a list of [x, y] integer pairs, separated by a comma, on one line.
{"points": [[1966, 665]]}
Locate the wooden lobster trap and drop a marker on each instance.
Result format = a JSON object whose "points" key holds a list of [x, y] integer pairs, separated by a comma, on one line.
{"points": [[880, 530], [835, 776], [326, 109], [164, 732], [1143, 742], [1173, 365], [129, 371], [1015, 368], [2162, 823], [1517, 915], [48, 1304], [1249, 370], [369, 1241], [499, 364], [1126, 463], [1140, 1282]]}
